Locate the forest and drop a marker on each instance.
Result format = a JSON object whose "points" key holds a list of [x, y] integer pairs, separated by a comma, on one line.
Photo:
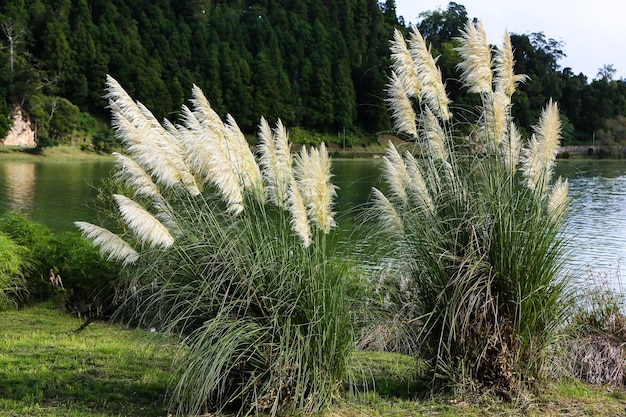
{"points": [[320, 66]]}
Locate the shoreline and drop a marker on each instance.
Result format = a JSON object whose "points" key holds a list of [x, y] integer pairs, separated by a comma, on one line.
{"points": [[62, 153], [70, 153]]}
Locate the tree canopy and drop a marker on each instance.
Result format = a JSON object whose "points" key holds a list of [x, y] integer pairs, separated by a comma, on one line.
{"points": [[318, 65]]}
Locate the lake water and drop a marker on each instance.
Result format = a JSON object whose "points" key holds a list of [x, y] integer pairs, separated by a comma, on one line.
{"points": [[59, 193]]}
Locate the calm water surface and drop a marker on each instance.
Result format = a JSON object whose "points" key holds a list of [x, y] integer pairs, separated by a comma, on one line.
{"points": [[59, 193]]}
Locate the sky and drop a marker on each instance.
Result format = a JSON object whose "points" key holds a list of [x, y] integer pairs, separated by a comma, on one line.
{"points": [[593, 32]]}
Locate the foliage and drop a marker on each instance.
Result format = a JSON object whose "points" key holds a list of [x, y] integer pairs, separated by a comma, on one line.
{"points": [[477, 220], [11, 267], [87, 277], [317, 65], [35, 252], [238, 258]]}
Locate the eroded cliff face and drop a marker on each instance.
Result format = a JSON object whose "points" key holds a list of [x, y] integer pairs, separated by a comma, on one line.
{"points": [[22, 132]]}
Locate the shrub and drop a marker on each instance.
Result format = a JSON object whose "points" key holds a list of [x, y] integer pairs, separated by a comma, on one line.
{"points": [[594, 350], [477, 219], [235, 257], [12, 262], [34, 236], [86, 275], [88, 278]]}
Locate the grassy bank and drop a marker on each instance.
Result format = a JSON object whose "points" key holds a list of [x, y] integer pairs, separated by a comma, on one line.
{"points": [[61, 152], [48, 369]]}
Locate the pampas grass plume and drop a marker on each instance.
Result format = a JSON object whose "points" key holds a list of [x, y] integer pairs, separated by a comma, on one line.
{"points": [[476, 62], [146, 228], [539, 157], [133, 175], [299, 220], [386, 213], [435, 137], [395, 173], [429, 77], [110, 244], [506, 79], [557, 203], [313, 179], [402, 65], [402, 111]]}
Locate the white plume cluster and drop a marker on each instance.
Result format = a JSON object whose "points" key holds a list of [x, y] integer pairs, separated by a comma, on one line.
{"points": [[204, 154], [419, 109]]}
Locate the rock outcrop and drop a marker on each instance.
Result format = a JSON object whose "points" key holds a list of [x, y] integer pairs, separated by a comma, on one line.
{"points": [[22, 132]]}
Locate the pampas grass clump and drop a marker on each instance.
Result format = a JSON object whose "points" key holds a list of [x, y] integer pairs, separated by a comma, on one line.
{"points": [[476, 220], [235, 257]]}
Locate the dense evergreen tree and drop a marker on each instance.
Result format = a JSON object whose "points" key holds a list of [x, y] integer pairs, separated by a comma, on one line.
{"points": [[315, 64]]}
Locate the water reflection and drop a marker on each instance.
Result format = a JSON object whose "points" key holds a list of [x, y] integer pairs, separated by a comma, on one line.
{"points": [[56, 194], [53, 193], [18, 186]]}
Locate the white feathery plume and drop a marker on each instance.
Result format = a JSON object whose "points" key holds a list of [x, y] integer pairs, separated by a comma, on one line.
{"points": [[302, 170], [402, 111], [429, 76], [170, 147], [140, 145], [184, 151], [283, 156], [269, 163], [146, 228], [110, 244], [557, 203], [387, 214], [299, 221], [197, 154], [126, 106], [539, 158], [313, 180], [275, 161], [476, 58], [395, 174], [134, 176], [435, 137], [145, 139], [222, 174], [243, 160], [203, 110], [208, 157], [402, 65], [506, 79], [513, 150], [531, 164], [417, 185], [497, 111], [225, 143]]}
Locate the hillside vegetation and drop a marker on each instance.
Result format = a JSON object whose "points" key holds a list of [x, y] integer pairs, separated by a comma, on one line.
{"points": [[319, 66]]}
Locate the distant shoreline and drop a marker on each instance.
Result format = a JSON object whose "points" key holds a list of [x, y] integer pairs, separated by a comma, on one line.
{"points": [[70, 153], [65, 153]]}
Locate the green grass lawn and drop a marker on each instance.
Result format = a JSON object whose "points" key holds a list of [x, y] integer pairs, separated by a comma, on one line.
{"points": [[47, 369]]}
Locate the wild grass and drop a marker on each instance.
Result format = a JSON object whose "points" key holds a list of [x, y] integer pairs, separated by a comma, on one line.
{"points": [[477, 220], [12, 264], [235, 257], [593, 350]]}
